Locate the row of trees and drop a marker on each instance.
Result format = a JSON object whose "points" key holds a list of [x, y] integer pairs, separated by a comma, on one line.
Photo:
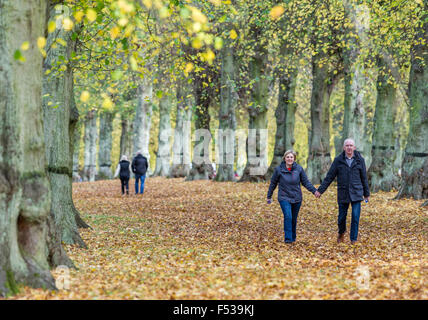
{"points": [[58, 58]]}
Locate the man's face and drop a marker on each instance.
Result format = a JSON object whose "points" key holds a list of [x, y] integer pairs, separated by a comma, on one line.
{"points": [[349, 148]]}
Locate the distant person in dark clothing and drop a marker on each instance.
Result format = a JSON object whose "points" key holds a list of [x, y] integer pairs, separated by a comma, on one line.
{"points": [[124, 173], [139, 168], [289, 175], [352, 186]]}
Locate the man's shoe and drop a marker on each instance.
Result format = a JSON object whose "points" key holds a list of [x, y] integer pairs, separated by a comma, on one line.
{"points": [[340, 237], [354, 242]]}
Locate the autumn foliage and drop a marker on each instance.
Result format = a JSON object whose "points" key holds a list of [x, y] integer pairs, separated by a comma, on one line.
{"points": [[211, 240]]}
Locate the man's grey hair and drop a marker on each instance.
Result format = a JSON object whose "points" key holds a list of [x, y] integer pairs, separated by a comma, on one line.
{"points": [[138, 152], [349, 140]]}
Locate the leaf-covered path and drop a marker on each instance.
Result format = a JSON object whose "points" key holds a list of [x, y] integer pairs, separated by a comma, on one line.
{"points": [[209, 240]]}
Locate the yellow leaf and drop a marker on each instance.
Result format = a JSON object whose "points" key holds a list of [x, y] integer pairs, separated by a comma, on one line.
{"points": [[78, 16], [91, 14], [189, 67], [25, 46], [84, 96], [147, 3], [67, 24], [114, 32], [276, 12], [233, 34], [51, 26], [41, 42]]}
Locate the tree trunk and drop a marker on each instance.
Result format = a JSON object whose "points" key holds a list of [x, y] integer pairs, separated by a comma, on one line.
{"points": [[126, 137], [24, 186], [256, 166], [76, 151], [181, 146], [90, 140], [60, 118], [163, 155], [319, 158], [201, 165], [285, 119], [143, 117], [354, 115], [105, 145], [381, 172], [227, 118], [415, 164]]}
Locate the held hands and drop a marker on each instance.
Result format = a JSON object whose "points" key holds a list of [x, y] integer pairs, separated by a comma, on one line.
{"points": [[317, 194]]}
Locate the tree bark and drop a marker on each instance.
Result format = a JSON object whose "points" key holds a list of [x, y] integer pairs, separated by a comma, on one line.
{"points": [[24, 186], [285, 118], [163, 155], [381, 173], [227, 118], [415, 164], [60, 118], [105, 145], [143, 117], [90, 140], [354, 115], [76, 151], [201, 165], [256, 166], [319, 158], [181, 146], [126, 137]]}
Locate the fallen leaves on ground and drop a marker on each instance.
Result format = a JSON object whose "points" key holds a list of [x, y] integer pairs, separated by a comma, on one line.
{"points": [[212, 240]]}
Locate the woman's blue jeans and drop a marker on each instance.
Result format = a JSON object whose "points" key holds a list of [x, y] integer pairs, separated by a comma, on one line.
{"points": [[290, 211]]}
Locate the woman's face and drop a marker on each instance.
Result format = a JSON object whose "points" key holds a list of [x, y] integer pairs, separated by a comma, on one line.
{"points": [[289, 159]]}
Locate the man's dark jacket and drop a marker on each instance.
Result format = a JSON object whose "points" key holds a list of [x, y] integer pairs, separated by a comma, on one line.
{"points": [[352, 183], [139, 165], [289, 183]]}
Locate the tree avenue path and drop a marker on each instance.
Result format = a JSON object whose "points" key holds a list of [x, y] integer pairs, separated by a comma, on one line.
{"points": [[212, 240]]}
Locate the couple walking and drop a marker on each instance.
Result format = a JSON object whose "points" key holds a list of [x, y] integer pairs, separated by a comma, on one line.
{"points": [[139, 168], [352, 186]]}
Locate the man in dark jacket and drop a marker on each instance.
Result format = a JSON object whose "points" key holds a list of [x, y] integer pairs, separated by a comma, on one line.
{"points": [[139, 168], [352, 185]]}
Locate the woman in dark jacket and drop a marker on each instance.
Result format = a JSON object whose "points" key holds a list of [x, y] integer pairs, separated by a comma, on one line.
{"points": [[124, 173], [289, 175]]}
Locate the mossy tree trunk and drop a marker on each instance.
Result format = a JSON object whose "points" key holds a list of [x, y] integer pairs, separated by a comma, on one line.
{"points": [[319, 158], [24, 187], [285, 114], [381, 173], [105, 145], [90, 141], [181, 146], [415, 164], [227, 119], [201, 164], [143, 118], [354, 115], [60, 118], [256, 166]]}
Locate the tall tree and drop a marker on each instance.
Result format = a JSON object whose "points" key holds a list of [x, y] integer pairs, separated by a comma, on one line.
{"points": [[24, 188], [60, 118], [90, 141], [415, 164], [105, 144], [357, 22], [259, 73], [227, 118], [181, 146], [382, 174]]}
